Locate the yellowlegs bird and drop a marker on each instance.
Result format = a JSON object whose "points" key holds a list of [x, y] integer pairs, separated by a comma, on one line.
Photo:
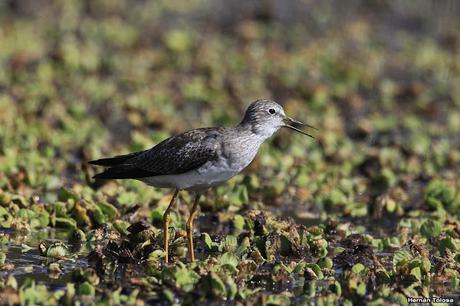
{"points": [[200, 158]]}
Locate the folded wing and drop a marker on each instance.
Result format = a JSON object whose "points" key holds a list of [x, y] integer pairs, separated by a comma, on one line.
{"points": [[175, 155]]}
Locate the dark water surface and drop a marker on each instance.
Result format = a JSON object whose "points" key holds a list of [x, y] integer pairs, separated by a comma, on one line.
{"points": [[22, 252]]}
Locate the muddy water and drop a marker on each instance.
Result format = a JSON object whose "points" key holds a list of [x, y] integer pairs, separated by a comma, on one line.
{"points": [[23, 259]]}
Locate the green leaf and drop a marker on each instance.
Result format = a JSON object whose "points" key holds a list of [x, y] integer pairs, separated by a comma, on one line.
{"points": [[127, 198], [391, 205], [108, 209], [228, 259], [178, 40], [335, 197], [155, 257], [401, 256], [431, 228], [65, 223], [434, 203], [60, 208], [238, 222], [417, 273], [358, 268], [26, 213], [361, 289], [325, 263], [313, 271], [210, 245], [385, 179], [217, 285], [243, 248], [447, 243], [67, 194], [439, 194], [185, 278], [169, 296], [279, 299], [97, 215], [55, 249], [455, 282], [207, 240], [5, 198], [336, 288], [121, 226], [180, 276], [86, 289], [232, 288], [229, 244], [43, 218], [239, 195], [252, 182], [338, 250], [399, 298], [5, 218], [2, 258], [32, 294], [426, 265]]}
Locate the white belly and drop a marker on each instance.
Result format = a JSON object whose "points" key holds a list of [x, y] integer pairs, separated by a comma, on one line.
{"points": [[208, 175]]}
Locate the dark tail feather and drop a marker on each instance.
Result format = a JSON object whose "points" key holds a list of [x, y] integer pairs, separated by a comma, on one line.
{"points": [[123, 172], [114, 161]]}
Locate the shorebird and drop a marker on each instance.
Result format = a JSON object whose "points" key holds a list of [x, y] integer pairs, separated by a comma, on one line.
{"points": [[201, 158]]}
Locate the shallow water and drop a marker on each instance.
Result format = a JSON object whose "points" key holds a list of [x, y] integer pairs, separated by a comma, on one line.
{"points": [[22, 253], [24, 261]]}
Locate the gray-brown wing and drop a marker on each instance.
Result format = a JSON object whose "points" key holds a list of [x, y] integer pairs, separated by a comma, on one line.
{"points": [[175, 155], [180, 153]]}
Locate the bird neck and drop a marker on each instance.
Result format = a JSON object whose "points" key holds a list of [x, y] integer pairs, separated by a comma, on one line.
{"points": [[254, 130]]}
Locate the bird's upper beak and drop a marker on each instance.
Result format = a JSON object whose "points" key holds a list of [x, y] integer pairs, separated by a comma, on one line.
{"points": [[292, 123]]}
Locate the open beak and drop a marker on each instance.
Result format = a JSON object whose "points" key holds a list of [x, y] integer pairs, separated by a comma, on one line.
{"points": [[292, 123]]}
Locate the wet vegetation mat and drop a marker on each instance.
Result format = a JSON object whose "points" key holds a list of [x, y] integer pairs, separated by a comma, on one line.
{"points": [[366, 213]]}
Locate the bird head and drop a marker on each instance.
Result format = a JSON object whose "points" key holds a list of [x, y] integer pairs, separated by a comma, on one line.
{"points": [[266, 117]]}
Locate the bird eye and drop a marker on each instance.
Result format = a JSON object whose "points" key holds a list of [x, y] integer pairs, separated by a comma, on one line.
{"points": [[271, 111]]}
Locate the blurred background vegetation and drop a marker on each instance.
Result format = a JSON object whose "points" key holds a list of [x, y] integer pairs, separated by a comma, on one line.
{"points": [[84, 79]]}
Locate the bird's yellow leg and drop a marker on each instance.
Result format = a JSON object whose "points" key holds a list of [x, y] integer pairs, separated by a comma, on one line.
{"points": [[193, 212], [166, 221]]}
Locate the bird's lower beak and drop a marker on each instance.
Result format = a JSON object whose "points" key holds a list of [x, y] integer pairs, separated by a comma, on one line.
{"points": [[292, 123]]}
